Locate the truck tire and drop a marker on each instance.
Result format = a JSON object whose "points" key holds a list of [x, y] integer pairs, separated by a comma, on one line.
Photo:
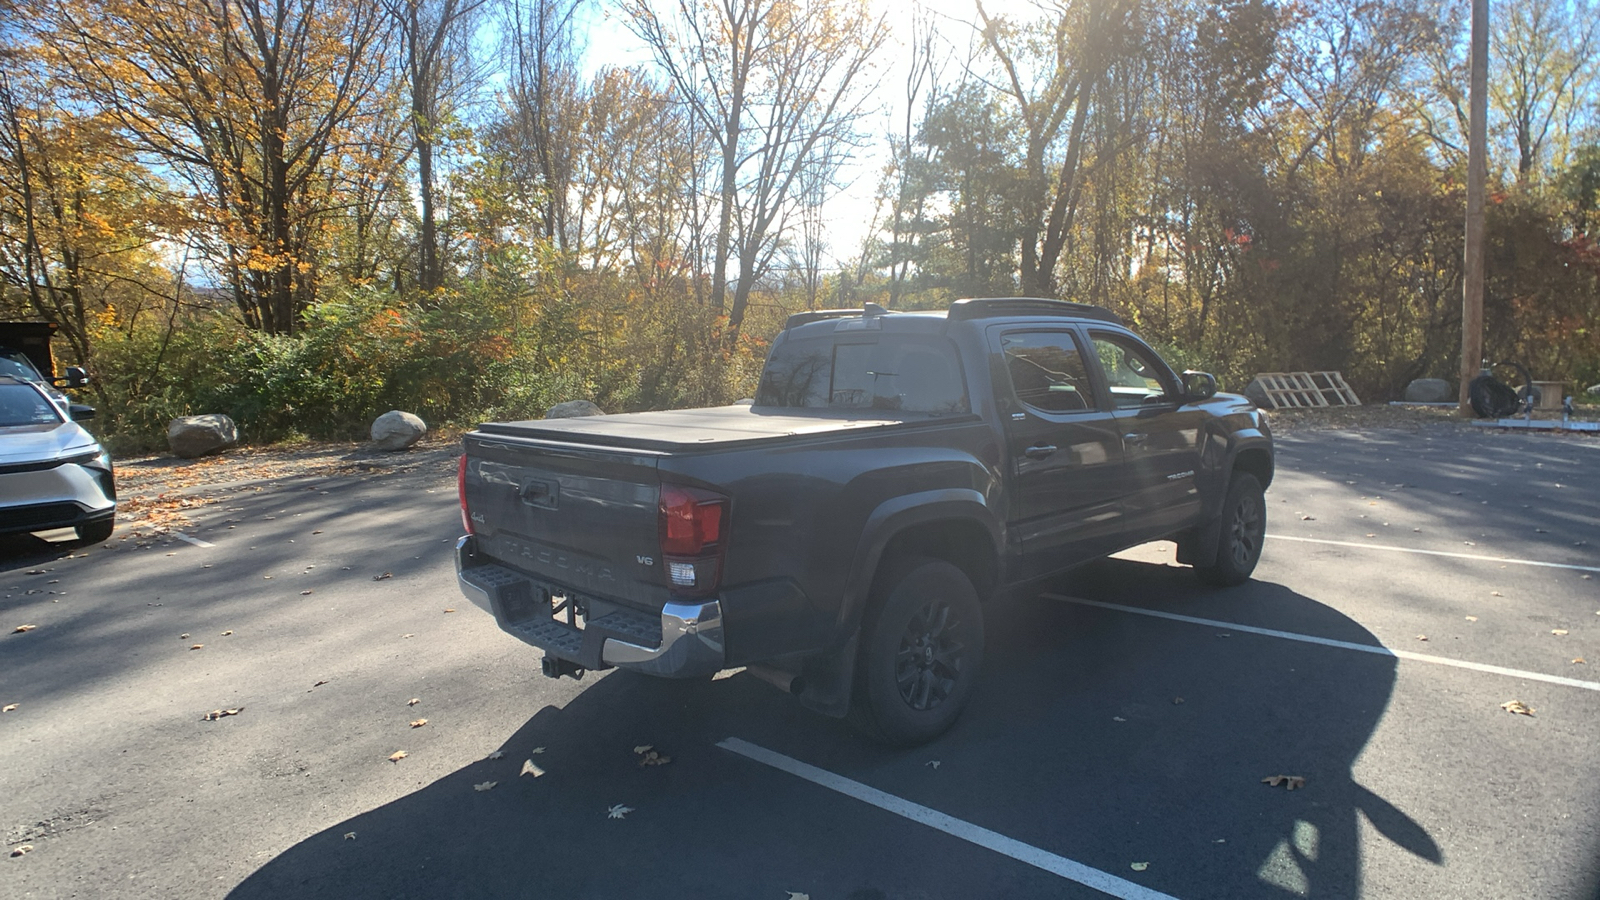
{"points": [[96, 531], [921, 649], [1244, 526]]}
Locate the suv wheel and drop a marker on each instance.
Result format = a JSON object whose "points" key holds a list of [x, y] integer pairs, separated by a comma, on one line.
{"points": [[922, 645], [1244, 526]]}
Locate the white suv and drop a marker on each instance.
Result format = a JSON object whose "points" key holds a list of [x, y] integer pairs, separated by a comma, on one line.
{"points": [[53, 473]]}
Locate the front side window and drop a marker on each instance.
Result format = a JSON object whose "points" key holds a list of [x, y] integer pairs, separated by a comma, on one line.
{"points": [[1047, 371], [1134, 374], [20, 404], [905, 373]]}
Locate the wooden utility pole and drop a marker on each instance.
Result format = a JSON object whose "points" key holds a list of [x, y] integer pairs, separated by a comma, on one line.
{"points": [[1477, 176]]}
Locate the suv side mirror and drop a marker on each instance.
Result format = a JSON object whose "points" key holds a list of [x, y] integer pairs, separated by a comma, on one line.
{"points": [[1199, 385], [80, 411], [77, 376]]}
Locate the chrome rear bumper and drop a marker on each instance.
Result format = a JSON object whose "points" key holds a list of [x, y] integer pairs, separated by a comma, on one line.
{"points": [[686, 642]]}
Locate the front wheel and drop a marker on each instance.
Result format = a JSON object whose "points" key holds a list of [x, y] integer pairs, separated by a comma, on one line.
{"points": [[1244, 526], [922, 645]]}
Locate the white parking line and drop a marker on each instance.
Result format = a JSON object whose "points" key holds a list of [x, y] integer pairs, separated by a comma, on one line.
{"points": [[193, 540], [1342, 645], [1474, 556], [983, 837]]}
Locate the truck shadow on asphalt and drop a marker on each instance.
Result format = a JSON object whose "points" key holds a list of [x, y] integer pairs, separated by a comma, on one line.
{"points": [[1097, 735]]}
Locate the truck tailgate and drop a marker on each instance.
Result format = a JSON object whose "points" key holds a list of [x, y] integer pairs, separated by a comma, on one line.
{"points": [[584, 517]]}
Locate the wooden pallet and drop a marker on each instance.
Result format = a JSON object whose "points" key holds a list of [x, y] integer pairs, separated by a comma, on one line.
{"points": [[1307, 390]]}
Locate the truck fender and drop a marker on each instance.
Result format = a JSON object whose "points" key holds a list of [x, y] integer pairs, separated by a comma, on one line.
{"points": [[1198, 545]]}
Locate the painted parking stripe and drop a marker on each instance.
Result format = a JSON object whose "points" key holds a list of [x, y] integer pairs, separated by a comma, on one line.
{"points": [[983, 837], [1472, 556], [1342, 645], [193, 540]]}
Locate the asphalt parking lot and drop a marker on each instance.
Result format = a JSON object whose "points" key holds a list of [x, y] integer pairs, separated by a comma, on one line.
{"points": [[1413, 583]]}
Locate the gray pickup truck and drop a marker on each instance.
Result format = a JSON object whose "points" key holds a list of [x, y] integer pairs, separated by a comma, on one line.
{"points": [[840, 536]]}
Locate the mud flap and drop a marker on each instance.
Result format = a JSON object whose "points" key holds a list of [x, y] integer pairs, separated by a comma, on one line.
{"points": [[829, 679], [1198, 546]]}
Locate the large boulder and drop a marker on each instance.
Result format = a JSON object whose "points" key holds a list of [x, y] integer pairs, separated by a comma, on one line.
{"points": [[1257, 393], [573, 409], [191, 437], [1429, 390], [396, 430]]}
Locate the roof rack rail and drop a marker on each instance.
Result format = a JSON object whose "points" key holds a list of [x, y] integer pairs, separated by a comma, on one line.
{"points": [[817, 315], [984, 307]]}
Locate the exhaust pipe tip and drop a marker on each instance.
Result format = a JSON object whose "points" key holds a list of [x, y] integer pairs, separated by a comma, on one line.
{"points": [[788, 682]]}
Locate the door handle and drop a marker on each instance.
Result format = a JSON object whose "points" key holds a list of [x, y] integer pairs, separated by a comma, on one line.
{"points": [[1039, 451], [1134, 439]]}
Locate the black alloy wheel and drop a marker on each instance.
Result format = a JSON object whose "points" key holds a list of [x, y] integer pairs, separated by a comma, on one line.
{"points": [[921, 649], [1244, 529]]}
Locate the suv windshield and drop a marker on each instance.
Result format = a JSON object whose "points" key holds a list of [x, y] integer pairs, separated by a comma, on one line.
{"points": [[906, 373], [17, 365], [22, 404]]}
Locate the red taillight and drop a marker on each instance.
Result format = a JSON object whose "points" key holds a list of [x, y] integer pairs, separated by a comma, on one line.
{"points": [[692, 524], [461, 493]]}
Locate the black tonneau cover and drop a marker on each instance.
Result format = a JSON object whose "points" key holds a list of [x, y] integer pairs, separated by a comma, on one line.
{"points": [[718, 428]]}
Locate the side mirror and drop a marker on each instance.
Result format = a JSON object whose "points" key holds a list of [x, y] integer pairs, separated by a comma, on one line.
{"points": [[80, 411], [1199, 385], [77, 376]]}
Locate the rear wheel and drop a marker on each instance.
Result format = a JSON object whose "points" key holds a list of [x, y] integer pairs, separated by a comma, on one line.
{"points": [[96, 531], [922, 645], [1244, 526]]}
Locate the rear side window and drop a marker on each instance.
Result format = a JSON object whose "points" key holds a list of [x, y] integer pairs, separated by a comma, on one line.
{"points": [[20, 404], [904, 373]]}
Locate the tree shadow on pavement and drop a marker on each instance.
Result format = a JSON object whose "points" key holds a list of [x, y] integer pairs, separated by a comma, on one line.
{"points": [[1101, 736]]}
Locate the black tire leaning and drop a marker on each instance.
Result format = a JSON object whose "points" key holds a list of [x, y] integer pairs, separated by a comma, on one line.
{"points": [[1244, 526], [96, 531], [921, 650]]}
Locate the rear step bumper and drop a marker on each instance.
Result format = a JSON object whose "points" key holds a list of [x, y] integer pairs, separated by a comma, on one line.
{"points": [[685, 642]]}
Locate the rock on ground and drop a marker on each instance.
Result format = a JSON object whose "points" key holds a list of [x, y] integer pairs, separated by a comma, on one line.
{"points": [[573, 409], [397, 430], [194, 436], [1429, 390]]}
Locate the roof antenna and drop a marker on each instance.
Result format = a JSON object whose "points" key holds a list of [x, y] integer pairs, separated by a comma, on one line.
{"points": [[873, 309]]}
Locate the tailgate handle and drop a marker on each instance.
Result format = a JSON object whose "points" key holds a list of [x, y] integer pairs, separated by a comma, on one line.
{"points": [[538, 493]]}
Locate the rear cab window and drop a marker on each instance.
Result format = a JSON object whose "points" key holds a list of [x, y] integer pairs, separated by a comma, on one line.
{"points": [[1048, 372], [908, 373]]}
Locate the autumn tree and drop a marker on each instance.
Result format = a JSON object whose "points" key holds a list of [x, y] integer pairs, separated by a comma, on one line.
{"points": [[777, 85], [247, 101]]}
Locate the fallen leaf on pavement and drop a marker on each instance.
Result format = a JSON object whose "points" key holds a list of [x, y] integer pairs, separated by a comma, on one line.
{"points": [[537, 750], [216, 714], [226, 633], [618, 811], [498, 754], [408, 635], [796, 895], [1139, 866], [1118, 719], [642, 748], [196, 646], [10, 706], [316, 532], [349, 835], [319, 684], [1176, 700], [1577, 662], [1518, 707], [398, 755], [184, 635], [18, 851], [932, 764], [1293, 781], [305, 593], [487, 785], [1558, 631], [383, 576], [419, 723], [450, 610], [528, 768], [1308, 518], [1472, 618], [1496, 594], [651, 758], [1422, 637], [20, 629], [413, 701]]}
